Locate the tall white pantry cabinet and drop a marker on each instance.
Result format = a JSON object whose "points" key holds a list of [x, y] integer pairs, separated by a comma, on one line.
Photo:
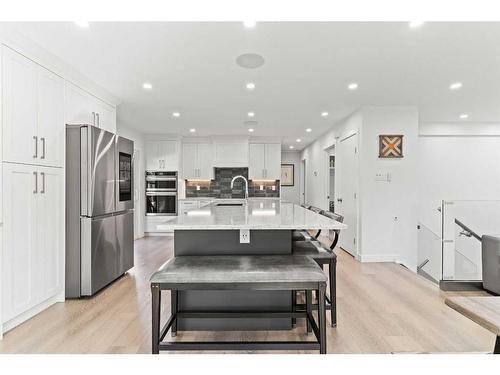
{"points": [[36, 103]]}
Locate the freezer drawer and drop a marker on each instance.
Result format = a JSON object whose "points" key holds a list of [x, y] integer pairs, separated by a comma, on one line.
{"points": [[99, 265], [125, 241]]}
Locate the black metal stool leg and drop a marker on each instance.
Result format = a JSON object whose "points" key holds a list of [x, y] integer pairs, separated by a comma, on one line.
{"points": [[333, 291], [174, 308], [308, 310], [322, 320], [294, 303], [155, 322], [497, 346]]}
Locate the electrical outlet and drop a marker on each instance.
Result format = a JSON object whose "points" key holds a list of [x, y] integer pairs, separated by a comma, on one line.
{"points": [[197, 187], [273, 188], [244, 235], [261, 187]]}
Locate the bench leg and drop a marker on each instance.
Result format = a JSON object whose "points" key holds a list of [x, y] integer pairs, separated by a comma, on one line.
{"points": [[174, 299], [497, 346], [308, 310], [155, 322], [294, 303], [333, 292], [322, 320]]}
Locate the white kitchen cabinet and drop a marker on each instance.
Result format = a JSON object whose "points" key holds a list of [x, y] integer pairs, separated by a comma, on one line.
{"points": [[82, 107], [162, 155], [51, 127], [33, 107], [19, 105], [273, 161], [230, 154], [197, 161], [33, 251], [265, 161]]}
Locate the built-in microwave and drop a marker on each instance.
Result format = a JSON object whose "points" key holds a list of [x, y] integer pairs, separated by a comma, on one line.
{"points": [[161, 181]]}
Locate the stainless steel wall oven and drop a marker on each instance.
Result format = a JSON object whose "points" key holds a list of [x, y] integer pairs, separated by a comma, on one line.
{"points": [[161, 193]]}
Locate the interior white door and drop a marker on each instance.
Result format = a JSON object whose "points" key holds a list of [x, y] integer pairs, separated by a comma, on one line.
{"points": [[257, 162], [19, 94], [49, 231], [189, 165], [20, 283], [347, 194], [204, 161], [50, 118], [273, 161]]}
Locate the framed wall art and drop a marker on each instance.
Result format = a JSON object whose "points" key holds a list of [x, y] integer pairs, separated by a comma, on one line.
{"points": [[390, 146], [287, 174]]}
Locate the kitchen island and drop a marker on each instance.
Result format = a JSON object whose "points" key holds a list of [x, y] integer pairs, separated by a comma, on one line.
{"points": [[240, 227]]}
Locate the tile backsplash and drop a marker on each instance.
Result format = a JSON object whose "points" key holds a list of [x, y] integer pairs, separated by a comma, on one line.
{"points": [[220, 186]]}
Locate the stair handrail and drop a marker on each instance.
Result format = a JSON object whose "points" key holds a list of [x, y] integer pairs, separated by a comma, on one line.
{"points": [[467, 231]]}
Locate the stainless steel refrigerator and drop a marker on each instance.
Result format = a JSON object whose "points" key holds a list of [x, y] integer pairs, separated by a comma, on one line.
{"points": [[99, 209]]}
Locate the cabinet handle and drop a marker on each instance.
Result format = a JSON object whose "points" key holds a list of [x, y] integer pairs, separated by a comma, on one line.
{"points": [[98, 120], [43, 147], [36, 183], [93, 118], [35, 138], [43, 182]]}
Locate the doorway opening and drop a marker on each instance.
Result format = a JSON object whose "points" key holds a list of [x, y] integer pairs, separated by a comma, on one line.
{"points": [[303, 175]]}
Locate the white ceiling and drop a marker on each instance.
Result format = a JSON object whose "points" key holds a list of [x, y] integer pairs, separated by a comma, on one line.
{"points": [[308, 66]]}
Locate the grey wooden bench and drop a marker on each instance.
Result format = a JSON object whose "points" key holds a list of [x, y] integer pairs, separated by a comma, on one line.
{"points": [[273, 272]]}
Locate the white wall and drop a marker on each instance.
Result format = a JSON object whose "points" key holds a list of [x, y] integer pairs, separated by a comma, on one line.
{"points": [[316, 157], [387, 211], [139, 203], [292, 193]]}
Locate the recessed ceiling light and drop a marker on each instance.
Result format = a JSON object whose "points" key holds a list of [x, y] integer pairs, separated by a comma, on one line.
{"points": [[250, 86], [176, 114], [249, 24], [415, 24], [250, 130], [192, 130], [352, 86], [324, 114], [308, 130], [463, 116], [251, 114], [456, 86], [82, 24], [298, 140], [147, 86], [291, 147]]}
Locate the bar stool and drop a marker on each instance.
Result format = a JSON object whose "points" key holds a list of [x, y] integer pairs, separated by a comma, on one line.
{"points": [[322, 255], [303, 235]]}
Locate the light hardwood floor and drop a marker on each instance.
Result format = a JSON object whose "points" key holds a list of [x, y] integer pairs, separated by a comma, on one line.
{"points": [[382, 308]]}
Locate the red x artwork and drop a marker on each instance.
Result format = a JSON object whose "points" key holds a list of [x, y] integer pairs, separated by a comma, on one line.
{"points": [[390, 146]]}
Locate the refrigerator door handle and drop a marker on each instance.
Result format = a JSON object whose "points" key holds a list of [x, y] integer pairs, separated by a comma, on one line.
{"points": [[35, 155], [42, 174]]}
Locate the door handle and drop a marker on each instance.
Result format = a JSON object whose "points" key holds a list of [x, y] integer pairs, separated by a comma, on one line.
{"points": [[36, 183], [93, 118], [35, 138], [43, 147], [43, 182], [98, 120], [339, 200]]}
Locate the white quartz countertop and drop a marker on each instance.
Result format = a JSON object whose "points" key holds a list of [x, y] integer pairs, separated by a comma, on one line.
{"points": [[253, 214]]}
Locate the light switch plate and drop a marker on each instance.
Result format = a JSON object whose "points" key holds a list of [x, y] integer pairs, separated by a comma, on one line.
{"points": [[244, 235]]}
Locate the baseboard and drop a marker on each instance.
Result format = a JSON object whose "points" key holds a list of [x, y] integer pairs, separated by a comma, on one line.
{"points": [[14, 322], [369, 258]]}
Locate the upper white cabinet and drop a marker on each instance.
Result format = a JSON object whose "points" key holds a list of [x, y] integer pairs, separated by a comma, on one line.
{"points": [[265, 161], [197, 161], [33, 112], [33, 239], [84, 108], [230, 154], [162, 155]]}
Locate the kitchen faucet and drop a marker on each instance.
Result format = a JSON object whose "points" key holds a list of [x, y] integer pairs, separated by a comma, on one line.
{"points": [[246, 184]]}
